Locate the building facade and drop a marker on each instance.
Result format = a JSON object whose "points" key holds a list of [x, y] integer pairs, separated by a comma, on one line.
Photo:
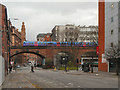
{"points": [[4, 34], [72, 33], [44, 37], [16, 39], [109, 32], [112, 24]]}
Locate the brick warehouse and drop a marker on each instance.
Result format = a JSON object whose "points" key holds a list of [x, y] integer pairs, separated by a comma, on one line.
{"points": [[17, 38], [5, 35]]}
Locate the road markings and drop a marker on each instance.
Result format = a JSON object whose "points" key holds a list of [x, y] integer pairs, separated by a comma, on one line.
{"points": [[66, 86], [69, 83], [50, 82], [34, 85]]}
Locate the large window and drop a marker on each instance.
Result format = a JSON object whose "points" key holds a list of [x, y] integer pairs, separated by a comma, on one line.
{"points": [[112, 6], [112, 44], [111, 32], [111, 19]]}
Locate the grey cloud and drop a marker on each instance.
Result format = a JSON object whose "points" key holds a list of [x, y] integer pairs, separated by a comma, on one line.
{"points": [[42, 17]]}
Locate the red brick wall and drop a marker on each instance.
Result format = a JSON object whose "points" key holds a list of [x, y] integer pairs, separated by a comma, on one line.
{"points": [[49, 52], [101, 38], [48, 38], [5, 44]]}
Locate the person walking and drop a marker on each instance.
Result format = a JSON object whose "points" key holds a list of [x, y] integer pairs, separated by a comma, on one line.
{"points": [[32, 70], [10, 68]]}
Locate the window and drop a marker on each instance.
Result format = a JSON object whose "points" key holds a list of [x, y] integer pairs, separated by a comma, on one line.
{"points": [[56, 34], [71, 28], [111, 32], [111, 44], [66, 33], [111, 19], [56, 28], [66, 39], [112, 6], [119, 44], [76, 39]]}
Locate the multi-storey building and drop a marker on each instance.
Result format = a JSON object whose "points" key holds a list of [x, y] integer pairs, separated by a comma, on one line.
{"points": [[88, 34], [16, 39], [44, 37], [67, 33], [109, 32], [4, 43], [112, 24], [72, 33]]}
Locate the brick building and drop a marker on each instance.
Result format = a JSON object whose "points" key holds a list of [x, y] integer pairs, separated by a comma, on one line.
{"points": [[109, 32], [4, 34], [17, 38], [44, 37]]}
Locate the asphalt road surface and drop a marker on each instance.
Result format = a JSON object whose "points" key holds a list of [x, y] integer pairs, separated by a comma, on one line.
{"points": [[23, 78]]}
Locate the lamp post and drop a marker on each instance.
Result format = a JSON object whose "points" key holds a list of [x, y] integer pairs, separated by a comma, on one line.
{"points": [[92, 65], [77, 62]]}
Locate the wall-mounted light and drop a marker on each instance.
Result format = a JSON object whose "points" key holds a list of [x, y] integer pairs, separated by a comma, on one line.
{"points": [[112, 5]]}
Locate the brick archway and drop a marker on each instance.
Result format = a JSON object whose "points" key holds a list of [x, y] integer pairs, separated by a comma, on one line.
{"points": [[31, 52], [48, 53]]}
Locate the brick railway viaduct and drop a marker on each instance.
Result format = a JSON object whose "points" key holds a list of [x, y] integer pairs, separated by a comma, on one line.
{"points": [[48, 52]]}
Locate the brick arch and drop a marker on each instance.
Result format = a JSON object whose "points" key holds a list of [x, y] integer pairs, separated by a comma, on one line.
{"points": [[31, 52], [50, 52]]}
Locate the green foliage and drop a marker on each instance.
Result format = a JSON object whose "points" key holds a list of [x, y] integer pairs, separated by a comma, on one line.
{"points": [[70, 64], [68, 68]]}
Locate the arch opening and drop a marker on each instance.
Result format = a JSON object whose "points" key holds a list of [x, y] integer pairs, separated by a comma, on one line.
{"points": [[61, 59], [28, 57]]}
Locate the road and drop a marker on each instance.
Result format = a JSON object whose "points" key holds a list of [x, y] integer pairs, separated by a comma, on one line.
{"points": [[23, 78]]}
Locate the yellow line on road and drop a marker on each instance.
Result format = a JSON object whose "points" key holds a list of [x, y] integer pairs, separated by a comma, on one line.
{"points": [[34, 85]]}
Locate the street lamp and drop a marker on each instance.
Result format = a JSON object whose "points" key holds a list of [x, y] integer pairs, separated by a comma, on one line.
{"points": [[92, 65]]}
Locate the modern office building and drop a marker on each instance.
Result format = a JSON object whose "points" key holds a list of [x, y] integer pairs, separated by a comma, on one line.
{"points": [[72, 33]]}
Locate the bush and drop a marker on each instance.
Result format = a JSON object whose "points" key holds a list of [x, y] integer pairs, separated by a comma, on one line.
{"points": [[68, 68]]}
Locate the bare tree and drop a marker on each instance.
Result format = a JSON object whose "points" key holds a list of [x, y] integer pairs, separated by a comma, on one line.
{"points": [[113, 53]]}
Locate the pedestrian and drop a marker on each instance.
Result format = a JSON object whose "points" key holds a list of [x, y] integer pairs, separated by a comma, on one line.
{"points": [[10, 68], [32, 69]]}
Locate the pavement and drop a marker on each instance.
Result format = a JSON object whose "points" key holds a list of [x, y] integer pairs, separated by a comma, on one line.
{"points": [[42, 78], [100, 74], [16, 79]]}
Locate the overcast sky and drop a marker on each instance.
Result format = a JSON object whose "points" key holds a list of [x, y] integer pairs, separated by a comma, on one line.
{"points": [[41, 17]]}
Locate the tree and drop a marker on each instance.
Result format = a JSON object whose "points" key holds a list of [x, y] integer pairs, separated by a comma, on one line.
{"points": [[113, 53]]}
